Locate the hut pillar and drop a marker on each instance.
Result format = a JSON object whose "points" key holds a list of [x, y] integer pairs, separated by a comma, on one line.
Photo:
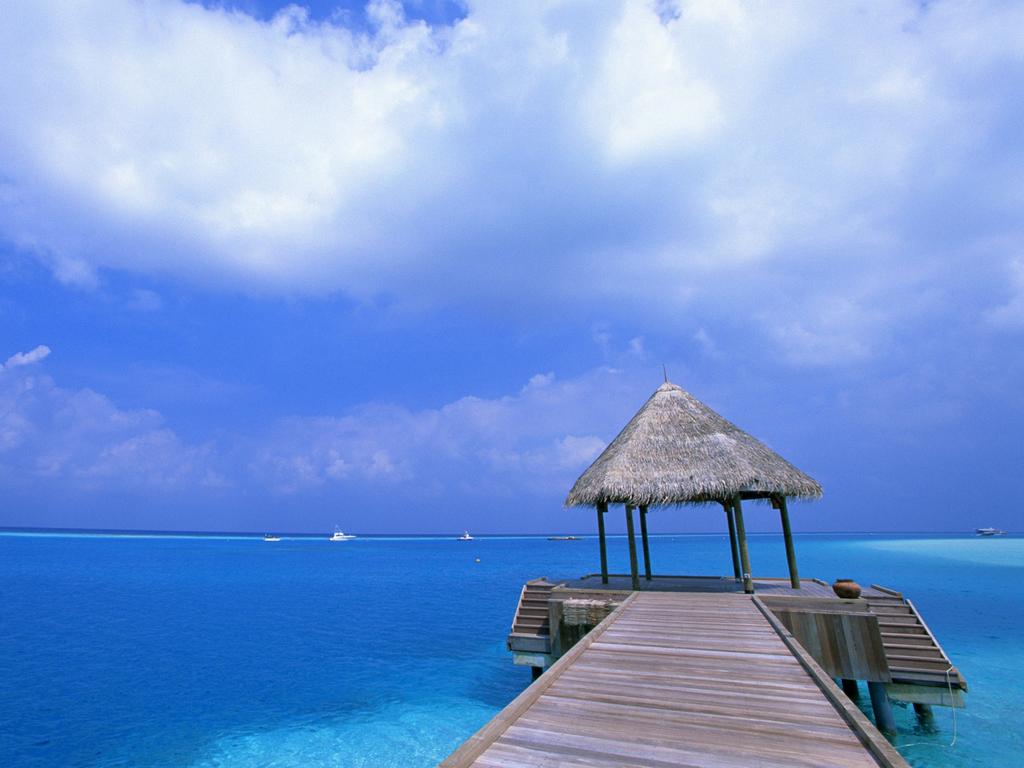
{"points": [[632, 548], [643, 538], [601, 509], [741, 534], [732, 540], [787, 534]]}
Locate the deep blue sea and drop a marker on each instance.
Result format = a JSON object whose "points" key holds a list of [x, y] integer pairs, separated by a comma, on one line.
{"points": [[235, 653]]}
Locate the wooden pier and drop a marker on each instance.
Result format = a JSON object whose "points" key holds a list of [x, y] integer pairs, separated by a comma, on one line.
{"points": [[681, 679], [724, 672]]}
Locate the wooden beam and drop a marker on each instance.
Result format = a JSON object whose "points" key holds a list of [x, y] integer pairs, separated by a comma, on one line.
{"points": [[732, 540], [601, 509], [755, 495], [741, 533], [885, 754], [632, 548], [885, 721], [643, 538], [787, 534]]}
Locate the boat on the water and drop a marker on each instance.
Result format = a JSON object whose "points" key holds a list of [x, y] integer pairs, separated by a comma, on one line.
{"points": [[271, 537], [465, 536], [563, 538], [340, 535], [989, 532]]}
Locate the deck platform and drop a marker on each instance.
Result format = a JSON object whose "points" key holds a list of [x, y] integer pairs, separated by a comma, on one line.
{"points": [[687, 677], [621, 582]]}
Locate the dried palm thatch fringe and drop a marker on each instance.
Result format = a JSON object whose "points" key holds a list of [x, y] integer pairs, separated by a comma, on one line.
{"points": [[676, 450]]}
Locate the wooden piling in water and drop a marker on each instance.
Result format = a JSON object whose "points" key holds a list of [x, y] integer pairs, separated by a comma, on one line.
{"points": [[885, 720]]}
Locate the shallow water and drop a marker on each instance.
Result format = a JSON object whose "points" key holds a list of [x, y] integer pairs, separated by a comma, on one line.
{"points": [[236, 653]]}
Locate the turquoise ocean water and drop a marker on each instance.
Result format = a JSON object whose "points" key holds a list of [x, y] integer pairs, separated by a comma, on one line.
{"points": [[235, 653]]}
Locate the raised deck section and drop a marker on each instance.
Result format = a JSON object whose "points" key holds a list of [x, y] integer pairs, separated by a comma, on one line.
{"points": [[530, 628], [916, 659], [705, 678], [921, 672]]}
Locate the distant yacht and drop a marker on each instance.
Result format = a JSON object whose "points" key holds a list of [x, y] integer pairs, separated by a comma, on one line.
{"points": [[271, 537], [563, 538], [989, 532], [465, 536], [340, 535]]}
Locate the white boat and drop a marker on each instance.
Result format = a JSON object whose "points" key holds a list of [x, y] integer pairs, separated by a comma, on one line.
{"points": [[989, 532], [271, 537], [340, 535], [465, 536]]}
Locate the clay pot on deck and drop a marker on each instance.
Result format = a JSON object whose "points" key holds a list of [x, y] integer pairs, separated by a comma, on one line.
{"points": [[846, 588]]}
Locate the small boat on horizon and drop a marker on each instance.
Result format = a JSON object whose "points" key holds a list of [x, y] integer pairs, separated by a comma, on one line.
{"points": [[563, 538], [271, 537], [465, 537], [990, 532], [340, 535]]}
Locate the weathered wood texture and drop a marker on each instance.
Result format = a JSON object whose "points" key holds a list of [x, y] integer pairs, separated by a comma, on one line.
{"points": [[601, 510], [741, 537], [914, 655], [787, 535], [530, 626], [635, 576], [679, 679], [841, 635], [881, 750]]}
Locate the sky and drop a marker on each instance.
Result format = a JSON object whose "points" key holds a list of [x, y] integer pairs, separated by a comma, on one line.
{"points": [[410, 267]]}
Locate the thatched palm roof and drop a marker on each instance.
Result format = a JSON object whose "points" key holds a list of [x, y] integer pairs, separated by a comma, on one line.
{"points": [[677, 450]]}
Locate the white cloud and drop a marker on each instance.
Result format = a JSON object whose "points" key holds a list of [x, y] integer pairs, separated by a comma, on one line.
{"points": [[79, 439], [538, 439], [535, 440], [626, 152], [27, 358]]}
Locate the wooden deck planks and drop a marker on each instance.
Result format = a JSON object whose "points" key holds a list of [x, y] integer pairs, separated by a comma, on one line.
{"points": [[675, 679]]}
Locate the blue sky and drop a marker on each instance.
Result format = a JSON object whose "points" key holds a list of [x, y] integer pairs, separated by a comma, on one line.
{"points": [[409, 268]]}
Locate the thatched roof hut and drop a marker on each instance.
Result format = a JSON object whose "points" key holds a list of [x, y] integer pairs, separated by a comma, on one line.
{"points": [[676, 450]]}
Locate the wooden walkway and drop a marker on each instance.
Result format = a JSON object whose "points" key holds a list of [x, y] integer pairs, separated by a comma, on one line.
{"points": [[681, 679]]}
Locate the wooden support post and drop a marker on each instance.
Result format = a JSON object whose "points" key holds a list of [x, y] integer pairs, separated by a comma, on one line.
{"points": [[787, 534], [601, 509], [536, 672], [727, 506], [851, 689], [924, 711], [643, 538], [882, 707], [632, 548], [741, 534]]}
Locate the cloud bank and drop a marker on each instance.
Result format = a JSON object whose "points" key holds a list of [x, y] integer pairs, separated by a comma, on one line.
{"points": [[533, 441], [843, 168]]}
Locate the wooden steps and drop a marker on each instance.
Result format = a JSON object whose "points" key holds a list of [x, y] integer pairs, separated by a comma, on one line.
{"points": [[532, 613], [913, 654]]}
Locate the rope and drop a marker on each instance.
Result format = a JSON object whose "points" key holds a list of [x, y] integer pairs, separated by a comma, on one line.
{"points": [[949, 684]]}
